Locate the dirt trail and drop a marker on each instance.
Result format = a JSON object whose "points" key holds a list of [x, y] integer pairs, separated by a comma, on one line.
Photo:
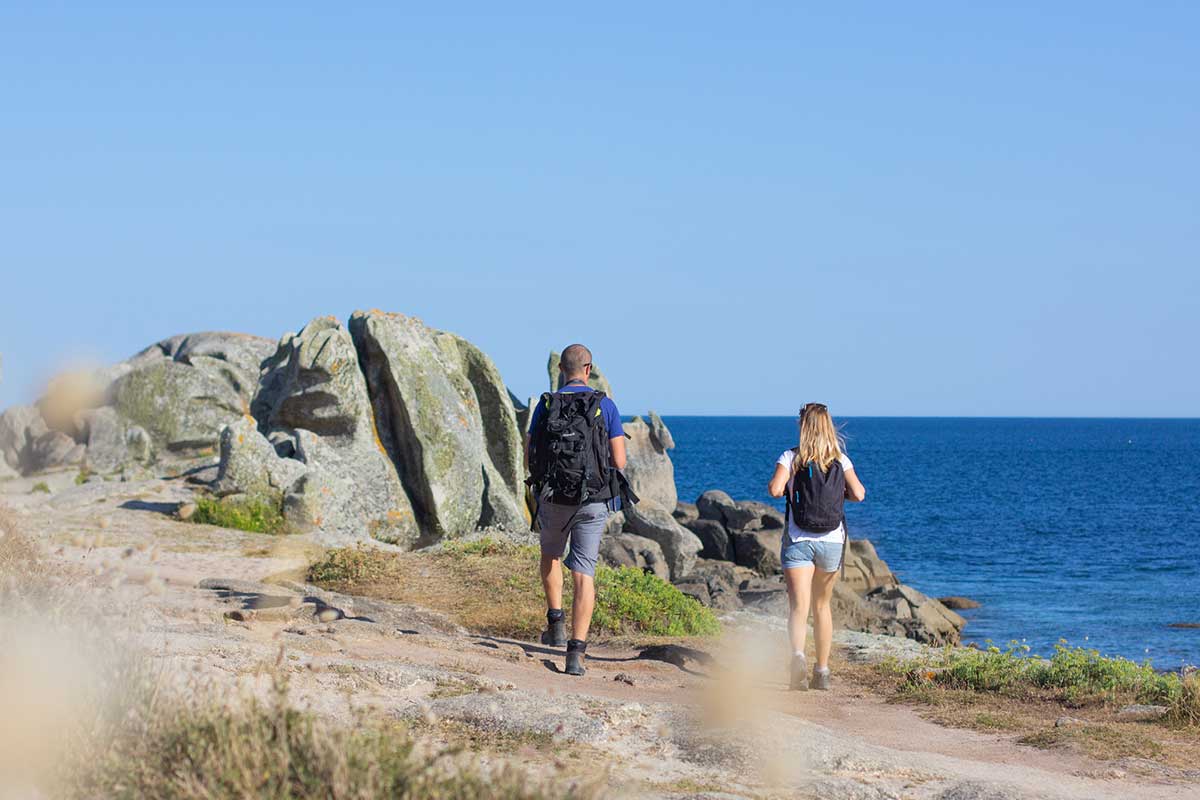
{"points": [[659, 729]]}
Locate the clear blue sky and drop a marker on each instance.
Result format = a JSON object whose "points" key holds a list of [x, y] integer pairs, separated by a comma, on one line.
{"points": [[894, 208]]}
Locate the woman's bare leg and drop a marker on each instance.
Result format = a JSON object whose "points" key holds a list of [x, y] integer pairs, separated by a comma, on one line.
{"points": [[799, 589], [822, 596]]}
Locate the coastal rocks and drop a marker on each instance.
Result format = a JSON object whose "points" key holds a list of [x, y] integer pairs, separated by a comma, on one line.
{"points": [[183, 390], [922, 618], [430, 392], [250, 465], [714, 539], [679, 545], [631, 550], [865, 570], [960, 603], [722, 581], [758, 550], [337, 479], [18, 425], [648, 466], [716, 505]]}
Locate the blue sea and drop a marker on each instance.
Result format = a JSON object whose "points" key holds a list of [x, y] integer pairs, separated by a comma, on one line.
{"points": [[1086, 530]]}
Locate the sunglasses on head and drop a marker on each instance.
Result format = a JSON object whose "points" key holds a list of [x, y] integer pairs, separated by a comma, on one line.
{"points": [[812, 407]]}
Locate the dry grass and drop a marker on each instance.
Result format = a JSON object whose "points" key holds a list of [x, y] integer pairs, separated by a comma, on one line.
{"points": [[494, 587], [86, 715], [1028, 715], [205, 749]]}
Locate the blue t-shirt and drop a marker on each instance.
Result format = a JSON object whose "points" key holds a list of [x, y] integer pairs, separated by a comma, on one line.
{"points": [[612, 417]]}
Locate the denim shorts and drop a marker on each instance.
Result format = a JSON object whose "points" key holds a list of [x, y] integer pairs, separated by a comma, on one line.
{"points": [[827, 556]]}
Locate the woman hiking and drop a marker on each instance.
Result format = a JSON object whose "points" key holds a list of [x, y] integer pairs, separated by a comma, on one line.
{"points": [[817, 477]]}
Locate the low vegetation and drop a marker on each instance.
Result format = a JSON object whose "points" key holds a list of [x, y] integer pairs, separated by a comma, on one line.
{"points": [[40, 487], [1074, 698], [1075, 676], [492, 586], [209, 749], [249, 514]]}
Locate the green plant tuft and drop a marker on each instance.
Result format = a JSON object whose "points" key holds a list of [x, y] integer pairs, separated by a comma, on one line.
{"points": [[1074, 674], [82, 477], [40, 487], [629, 600], [251, 514]]}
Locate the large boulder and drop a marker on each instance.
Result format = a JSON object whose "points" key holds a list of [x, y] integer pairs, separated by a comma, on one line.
{"points": [[758, 550], [921, 617], [717, 505], [182, 391], [714, 539], [445, 420], [52, 450], [631, 550], [722, 580], [647, 465], [679, 545], [865, 570], [18, 426], [335, 477], [766, 517]]}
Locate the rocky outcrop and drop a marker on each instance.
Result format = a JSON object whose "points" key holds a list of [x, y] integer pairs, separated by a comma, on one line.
{"points": [[630, 550], [311, 445], [648, 466], [679, 545], [183, 390], [445, 420], [169, 401], [912, 614]]}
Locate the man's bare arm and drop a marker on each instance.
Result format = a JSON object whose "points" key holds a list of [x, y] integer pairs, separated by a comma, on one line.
{"points": [[616, 447]]}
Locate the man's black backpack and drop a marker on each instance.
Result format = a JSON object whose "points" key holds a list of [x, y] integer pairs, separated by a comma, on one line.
{"points": [[816, 500], [569, 451]]}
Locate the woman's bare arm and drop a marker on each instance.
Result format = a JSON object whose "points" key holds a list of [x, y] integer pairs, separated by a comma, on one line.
{"points": [[778, 484], [855, 491]]}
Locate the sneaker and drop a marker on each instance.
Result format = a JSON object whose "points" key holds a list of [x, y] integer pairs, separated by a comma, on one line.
{"points": [[555, 634], [574, 665], [799, 680], [820, 678]]}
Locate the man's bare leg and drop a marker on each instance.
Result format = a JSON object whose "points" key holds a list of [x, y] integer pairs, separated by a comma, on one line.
{"points": [[583, 605], [552, 581]]}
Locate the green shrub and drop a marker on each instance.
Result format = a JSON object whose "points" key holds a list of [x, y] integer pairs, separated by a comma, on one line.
{"points": [[82, 477], [493, 586], [251, 514], [629, 600], [40, 486], [1073, 673]]}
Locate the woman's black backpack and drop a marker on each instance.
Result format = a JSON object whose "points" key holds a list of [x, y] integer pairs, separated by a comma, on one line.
{"points": [[816, 500], [569, 451]]}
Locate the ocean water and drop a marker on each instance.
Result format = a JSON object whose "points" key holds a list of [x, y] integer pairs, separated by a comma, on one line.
{"points": [[1080, 529]]}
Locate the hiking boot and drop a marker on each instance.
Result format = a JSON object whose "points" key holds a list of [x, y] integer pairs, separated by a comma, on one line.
{"points": [[820, 678], [799, 673], [555, 634], [575, 651]]}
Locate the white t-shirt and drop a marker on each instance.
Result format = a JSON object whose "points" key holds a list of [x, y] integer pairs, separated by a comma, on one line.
{"points": [[795, 533]]}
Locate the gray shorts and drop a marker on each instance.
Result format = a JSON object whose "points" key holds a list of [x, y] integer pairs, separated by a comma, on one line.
{"points": [[581, 525]]}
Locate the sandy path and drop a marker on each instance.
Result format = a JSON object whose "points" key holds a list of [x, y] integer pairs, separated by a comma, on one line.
{"points": [[732, 725]]}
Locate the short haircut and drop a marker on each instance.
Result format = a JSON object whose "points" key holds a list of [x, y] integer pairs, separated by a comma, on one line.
{"points": [[574, 359]]}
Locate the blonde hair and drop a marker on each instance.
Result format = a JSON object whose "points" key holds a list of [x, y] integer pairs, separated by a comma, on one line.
{"points": [[819, 439]]}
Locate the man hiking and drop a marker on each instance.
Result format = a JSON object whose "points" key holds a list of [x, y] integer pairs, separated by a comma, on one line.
{"points": [[575, 452]]}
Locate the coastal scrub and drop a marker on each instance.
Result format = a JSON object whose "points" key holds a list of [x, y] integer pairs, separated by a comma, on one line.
{"points": [[492, 586]]}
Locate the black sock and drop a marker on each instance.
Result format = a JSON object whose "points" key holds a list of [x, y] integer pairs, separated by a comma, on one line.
{"points": [[576, 646], [554, 615]]}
